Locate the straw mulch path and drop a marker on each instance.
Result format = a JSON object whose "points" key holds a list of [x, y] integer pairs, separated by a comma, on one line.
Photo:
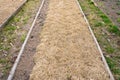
{"points": [[67, 50]]}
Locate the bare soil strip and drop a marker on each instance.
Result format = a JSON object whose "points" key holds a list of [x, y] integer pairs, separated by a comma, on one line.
{"points": [[26, 64], [8, 7], [67, 50]]}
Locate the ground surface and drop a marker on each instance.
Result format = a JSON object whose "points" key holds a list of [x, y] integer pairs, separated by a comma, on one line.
{"points": [[111, 8], [23, 71], [105, 29], [13, 35], [67, 50], [7, 7]]}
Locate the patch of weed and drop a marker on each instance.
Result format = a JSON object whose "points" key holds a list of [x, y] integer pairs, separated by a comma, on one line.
{"points": [[118, 3], [10, 28], [16, 19], [23, 38], [118, 20], [112, 64], [3, 61], [109, 49], [105, 19], [114, 29], [118, 13], [25, 19], [98, 24]]}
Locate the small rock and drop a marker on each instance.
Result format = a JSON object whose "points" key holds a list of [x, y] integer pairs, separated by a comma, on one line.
{"points": [[108, 40], [32, 36]]}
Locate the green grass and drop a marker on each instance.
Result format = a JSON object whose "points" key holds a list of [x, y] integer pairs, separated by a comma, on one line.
{"points": [[10, 28], [118, 13], [118, 3], [109, 49], [110, 62], [23, 38], [113, 66], [107, 34], [98, 24], [25, 19], [3, 61], [16, 19], [105, 19], [114, 29], [118, 20]]}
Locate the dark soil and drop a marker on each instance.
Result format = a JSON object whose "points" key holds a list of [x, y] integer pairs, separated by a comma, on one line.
{"points": [[111, 8], [26, 64]]}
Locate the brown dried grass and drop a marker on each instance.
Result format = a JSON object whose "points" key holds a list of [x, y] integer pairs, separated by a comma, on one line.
{"points": [[67, 50]]}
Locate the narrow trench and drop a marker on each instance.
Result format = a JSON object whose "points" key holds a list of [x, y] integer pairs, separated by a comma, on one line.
{"points": [[26, 63]]}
